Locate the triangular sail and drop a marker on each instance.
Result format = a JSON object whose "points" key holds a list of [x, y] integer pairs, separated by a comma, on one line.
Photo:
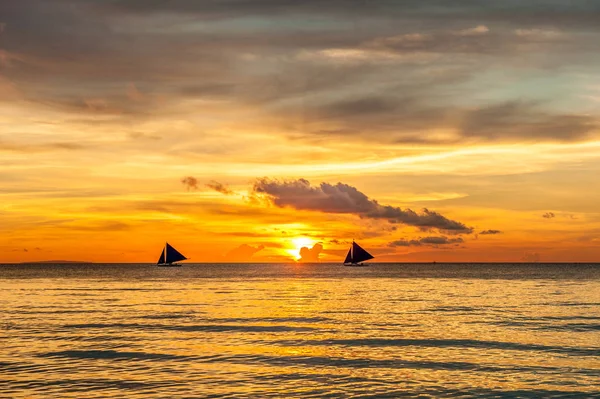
{"points": [[356, 254], [173, 255], [359, 254], [349, 256], [162, 257]]}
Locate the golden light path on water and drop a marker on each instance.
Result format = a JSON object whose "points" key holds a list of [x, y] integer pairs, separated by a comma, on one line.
{"points": [[113, 331]]}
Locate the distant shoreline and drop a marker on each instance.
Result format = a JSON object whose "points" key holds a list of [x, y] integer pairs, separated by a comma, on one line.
{"points": [[56, 262]]}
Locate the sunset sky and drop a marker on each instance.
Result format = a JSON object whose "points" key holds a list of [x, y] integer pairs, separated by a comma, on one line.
{"points": [[244, 130]]}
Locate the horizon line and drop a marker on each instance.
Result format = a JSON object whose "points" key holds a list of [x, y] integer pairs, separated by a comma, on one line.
{"points": [[68, 262]]}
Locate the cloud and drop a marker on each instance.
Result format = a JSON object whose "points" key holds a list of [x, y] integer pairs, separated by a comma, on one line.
{"points": [[405, 243], [243, 253], [478, 30], [441, 240], [431, 241], [342, 198], [427, 12], [43, 147], [215, 185], [190, 182], [339, 242], [549, 215], [411, 117], [94, 59], [310, 254], [490, 232], [133, 93], [539, 34]]}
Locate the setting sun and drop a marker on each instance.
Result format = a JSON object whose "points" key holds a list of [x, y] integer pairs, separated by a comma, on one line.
{"points": [[298, 243]]}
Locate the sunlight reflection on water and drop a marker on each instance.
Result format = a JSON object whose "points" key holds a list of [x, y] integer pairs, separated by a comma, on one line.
{"points": [[113, 331]]}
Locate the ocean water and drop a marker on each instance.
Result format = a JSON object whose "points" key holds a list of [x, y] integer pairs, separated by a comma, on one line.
{"points": [[300, 331]]}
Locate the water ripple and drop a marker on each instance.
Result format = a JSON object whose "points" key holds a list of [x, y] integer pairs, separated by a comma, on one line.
{"points": [[301, 331], [449, 343]]}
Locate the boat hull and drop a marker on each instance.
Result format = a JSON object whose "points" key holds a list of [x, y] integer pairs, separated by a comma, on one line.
{"points": [[355, 265], [169, 265]]}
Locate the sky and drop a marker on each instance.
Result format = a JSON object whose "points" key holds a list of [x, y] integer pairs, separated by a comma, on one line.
{"points": [[276, 131]]}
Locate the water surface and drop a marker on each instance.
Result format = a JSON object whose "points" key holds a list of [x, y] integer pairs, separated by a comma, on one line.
{"points": [[445, 330]]}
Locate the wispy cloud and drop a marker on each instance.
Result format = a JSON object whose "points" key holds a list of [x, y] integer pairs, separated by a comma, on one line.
{"points": [[490, 232], [190, 182], [431, 241], [219, 187]]}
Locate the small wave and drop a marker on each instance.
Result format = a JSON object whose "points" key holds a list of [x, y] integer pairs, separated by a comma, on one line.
{"points": [[452, 309], [571, 327], [272, 319], [575, 317], [241, 328], [319, 361], [167, 316], [112, 354], [87, 384], [448, 343], [571, 303], [192, 327]]}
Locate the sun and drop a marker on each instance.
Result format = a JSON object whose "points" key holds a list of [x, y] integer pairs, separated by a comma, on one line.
{"points": [[297, 244]]}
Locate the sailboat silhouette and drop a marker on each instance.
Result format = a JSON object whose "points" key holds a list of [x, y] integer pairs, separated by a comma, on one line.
{"points": [[169, 256], [356, 255]]}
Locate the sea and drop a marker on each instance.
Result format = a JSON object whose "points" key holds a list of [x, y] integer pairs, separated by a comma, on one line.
{"points": [[300, 331]]}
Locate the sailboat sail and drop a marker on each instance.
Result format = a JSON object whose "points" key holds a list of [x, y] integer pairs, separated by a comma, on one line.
{"points": [[349, 256], [170, 255], [359, 254], [173, 255], [356, 254], [162, 257]]}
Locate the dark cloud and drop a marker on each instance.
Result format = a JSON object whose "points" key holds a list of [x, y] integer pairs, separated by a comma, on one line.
{"points": [[311, 254], [243, 253], [128, 60], [221, 188], [549, 215], [441, 240], [190, 182], [405, 243], [431, 241], [490, 232], [509, 11], [406, 118], [339, 242], [342, 198]]}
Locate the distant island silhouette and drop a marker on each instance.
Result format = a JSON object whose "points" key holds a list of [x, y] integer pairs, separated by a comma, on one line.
{"points": [[55, 261]]}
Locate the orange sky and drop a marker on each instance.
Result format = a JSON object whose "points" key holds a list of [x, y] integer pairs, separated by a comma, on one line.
{"points": [[246, 133]]}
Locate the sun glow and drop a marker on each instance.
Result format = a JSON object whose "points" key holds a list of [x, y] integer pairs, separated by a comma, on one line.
{"points": [[298, 243]]}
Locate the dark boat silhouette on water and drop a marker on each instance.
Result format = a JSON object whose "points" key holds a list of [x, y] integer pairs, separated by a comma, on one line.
{"points": [[169, 256], [357, 255]]}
